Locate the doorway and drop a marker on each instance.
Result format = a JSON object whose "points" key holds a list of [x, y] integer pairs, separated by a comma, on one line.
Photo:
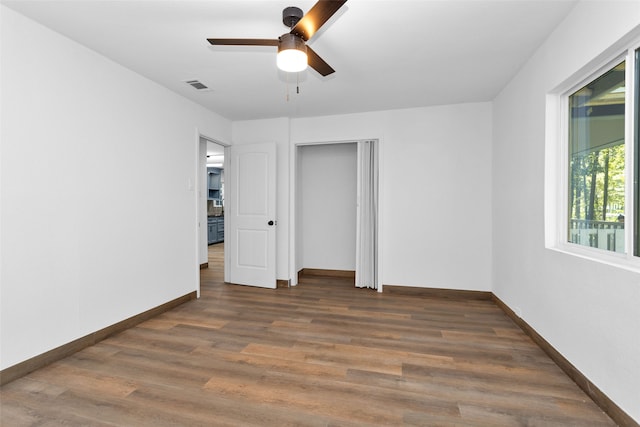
{"points": [[211, 196]]}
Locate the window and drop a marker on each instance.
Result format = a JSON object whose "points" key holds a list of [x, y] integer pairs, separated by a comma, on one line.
{"points": [[592, 175], [597, 162]]}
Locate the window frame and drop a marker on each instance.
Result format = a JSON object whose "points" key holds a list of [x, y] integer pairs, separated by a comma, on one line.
{"points": [[557, 160], [565, 123]]}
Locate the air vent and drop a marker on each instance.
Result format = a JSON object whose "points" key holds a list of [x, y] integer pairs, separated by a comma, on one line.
{"points": [[198, 85]]}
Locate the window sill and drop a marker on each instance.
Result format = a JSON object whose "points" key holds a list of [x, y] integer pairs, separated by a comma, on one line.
{"points": [[611, 259]]}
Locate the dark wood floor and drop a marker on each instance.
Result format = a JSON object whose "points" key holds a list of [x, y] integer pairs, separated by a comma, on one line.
{"points": [[319, 354]]}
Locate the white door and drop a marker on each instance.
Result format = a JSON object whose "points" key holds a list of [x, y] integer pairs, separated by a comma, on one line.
{"points": [[250, 208]]}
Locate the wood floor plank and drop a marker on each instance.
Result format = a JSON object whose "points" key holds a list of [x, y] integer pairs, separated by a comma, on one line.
{"points": [[84, 381], [322, 353]]}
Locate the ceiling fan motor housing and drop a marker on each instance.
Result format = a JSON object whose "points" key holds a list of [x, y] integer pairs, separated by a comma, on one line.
{"points": [[291, 15], [291, 41]]}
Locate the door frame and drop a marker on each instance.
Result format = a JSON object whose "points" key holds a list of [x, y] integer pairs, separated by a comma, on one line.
{"points": [[294, 210], [201, 203]]}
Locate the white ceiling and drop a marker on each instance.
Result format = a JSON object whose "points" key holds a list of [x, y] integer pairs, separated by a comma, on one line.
{"points": [[387, 53]]}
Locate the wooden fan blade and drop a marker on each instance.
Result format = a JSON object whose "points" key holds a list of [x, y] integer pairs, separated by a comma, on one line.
{"points": [[318, 63], [244, 42], [316, 17]]}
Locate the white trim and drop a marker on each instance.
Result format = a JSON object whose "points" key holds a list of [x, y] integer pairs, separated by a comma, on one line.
{"points": [[381, 204], [228, 169], [601, 256], [587, 78], [629, 159], [197, 216], [293, 156]]}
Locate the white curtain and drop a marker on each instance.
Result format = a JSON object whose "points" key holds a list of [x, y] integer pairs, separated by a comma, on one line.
{"points": [[367, 216]]}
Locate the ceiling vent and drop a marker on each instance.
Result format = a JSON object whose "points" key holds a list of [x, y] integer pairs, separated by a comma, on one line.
{"points": [[198, 85]]}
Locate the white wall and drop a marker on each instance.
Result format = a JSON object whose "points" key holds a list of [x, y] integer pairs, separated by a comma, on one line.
{"points": [[587, 310], [98, 219], [435, 187], [435, 184], [438, 197], [327, 180]]}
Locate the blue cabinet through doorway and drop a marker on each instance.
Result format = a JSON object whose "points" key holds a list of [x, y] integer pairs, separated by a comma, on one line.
{"points": [[215, 225]]}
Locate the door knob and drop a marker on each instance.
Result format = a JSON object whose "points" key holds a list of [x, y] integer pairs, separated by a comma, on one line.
{"points": [[270, 223]]}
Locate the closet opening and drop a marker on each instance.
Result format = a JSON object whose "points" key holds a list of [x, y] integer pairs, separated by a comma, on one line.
{"points": [[336, 204]]}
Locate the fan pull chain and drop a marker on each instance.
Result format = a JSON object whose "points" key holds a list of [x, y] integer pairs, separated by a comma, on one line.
{"points": [[297, 83], [287, 87]]}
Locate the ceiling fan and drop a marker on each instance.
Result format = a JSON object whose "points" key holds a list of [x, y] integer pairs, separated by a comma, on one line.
{"points": [[293, 53]]}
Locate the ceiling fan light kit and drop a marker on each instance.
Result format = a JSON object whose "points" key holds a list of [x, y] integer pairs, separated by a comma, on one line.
{"points": [[293, 53]]}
